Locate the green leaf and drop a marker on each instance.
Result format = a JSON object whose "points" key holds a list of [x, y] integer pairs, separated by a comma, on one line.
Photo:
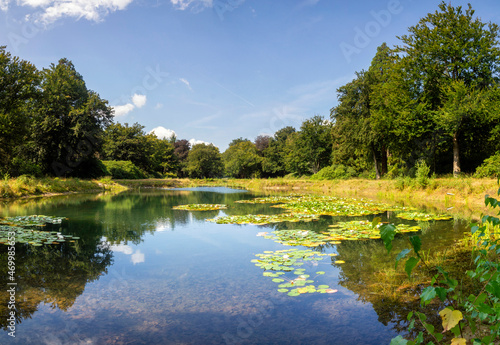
{"points": [[410, 265], [401, 255], [399, 340], [428, 294], [441, 293], [416, 243], [387, 233]]}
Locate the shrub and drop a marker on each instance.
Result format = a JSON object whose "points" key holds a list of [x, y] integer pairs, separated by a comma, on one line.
{"points": [[490, 167], [123, 170], [422, 174], [334, 172]]}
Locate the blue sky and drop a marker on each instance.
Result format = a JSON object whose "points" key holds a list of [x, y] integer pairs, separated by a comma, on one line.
{"points": [[214, 70]]}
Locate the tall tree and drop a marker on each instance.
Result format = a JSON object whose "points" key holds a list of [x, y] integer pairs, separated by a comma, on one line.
{"points": [[273, 163], [127, 143], [242, 160], [67, 130], [447, 54], [19, 81], [204, 161]]}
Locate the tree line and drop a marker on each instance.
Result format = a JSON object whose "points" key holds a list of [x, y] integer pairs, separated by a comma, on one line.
{"points": [[434, 99]]}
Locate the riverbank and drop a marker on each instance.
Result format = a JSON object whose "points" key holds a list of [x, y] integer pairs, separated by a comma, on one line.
{"points": [[24, 186], [462, 197]]}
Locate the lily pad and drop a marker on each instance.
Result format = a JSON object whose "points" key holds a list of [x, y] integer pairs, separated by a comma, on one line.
{"points": [[200, 207]]}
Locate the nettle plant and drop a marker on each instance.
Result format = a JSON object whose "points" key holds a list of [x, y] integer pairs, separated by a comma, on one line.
{"points": [[471, 318]]}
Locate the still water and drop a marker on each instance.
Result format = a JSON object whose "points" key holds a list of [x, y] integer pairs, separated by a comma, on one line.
{"points": [[143, 273]]}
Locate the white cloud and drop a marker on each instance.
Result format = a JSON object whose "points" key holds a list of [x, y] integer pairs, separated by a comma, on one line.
{"points": [[49, 11], [137, 257], [194, 142], [197, 5], [122, 248], [158, 106], [186, 82], [122, 110], [139, 100], [162, 132]]}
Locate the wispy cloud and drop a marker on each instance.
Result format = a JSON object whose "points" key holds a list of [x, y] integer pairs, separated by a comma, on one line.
{"points": [[205, 122], [197, 5], [186, 83], [49, 11]]}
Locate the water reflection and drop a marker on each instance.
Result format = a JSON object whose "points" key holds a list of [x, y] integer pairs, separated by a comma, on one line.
{"points": [[54, 275], [144, 273]]}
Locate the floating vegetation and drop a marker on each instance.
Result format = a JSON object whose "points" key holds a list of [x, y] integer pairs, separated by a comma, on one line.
{"points": [[360, 230], [277, 264], [418, 216], [31, 220], [271, 199], [304, 238], [19, 226], [200, 207], [261, 219]]}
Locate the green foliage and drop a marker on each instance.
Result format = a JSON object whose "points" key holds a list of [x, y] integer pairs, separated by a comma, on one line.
{"points": [[273, 162], [422, 174], [242, 160], [474, 316], [123, 170], [309, 150], [334, 172], [490, 167], [204, 161], [19, 82], [67, 127]]}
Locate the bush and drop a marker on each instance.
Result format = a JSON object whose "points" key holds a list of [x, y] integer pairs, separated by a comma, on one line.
{"points": [[422, 174], [334, 172], [123, 170], [490, 167], [22, 166]]}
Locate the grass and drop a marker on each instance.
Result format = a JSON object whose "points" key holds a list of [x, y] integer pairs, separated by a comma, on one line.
{"points": [[24, 186]]}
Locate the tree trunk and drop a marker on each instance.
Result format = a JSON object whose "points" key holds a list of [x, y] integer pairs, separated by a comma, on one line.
{"points": [[377, 172], [383, 169], [456, 156]]}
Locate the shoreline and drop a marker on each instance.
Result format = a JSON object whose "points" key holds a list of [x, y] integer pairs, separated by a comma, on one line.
{"points": [[462, 197]]}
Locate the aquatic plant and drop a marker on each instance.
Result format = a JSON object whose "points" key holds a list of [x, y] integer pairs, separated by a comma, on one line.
{"points": [[292, 261], [200, 207], [18, 230]]}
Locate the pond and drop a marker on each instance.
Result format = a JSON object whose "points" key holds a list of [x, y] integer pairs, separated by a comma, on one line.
{"points": [[144, 273]]}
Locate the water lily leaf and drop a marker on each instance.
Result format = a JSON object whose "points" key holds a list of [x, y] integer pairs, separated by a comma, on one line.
{"points": [[200, 207], [278, 280], [282, 290], [320, 272]]}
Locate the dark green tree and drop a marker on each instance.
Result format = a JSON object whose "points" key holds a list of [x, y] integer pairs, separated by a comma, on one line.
{"points": [[447, 55], [19, 82], [128, 143], [69, 123], [273, 163]]}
